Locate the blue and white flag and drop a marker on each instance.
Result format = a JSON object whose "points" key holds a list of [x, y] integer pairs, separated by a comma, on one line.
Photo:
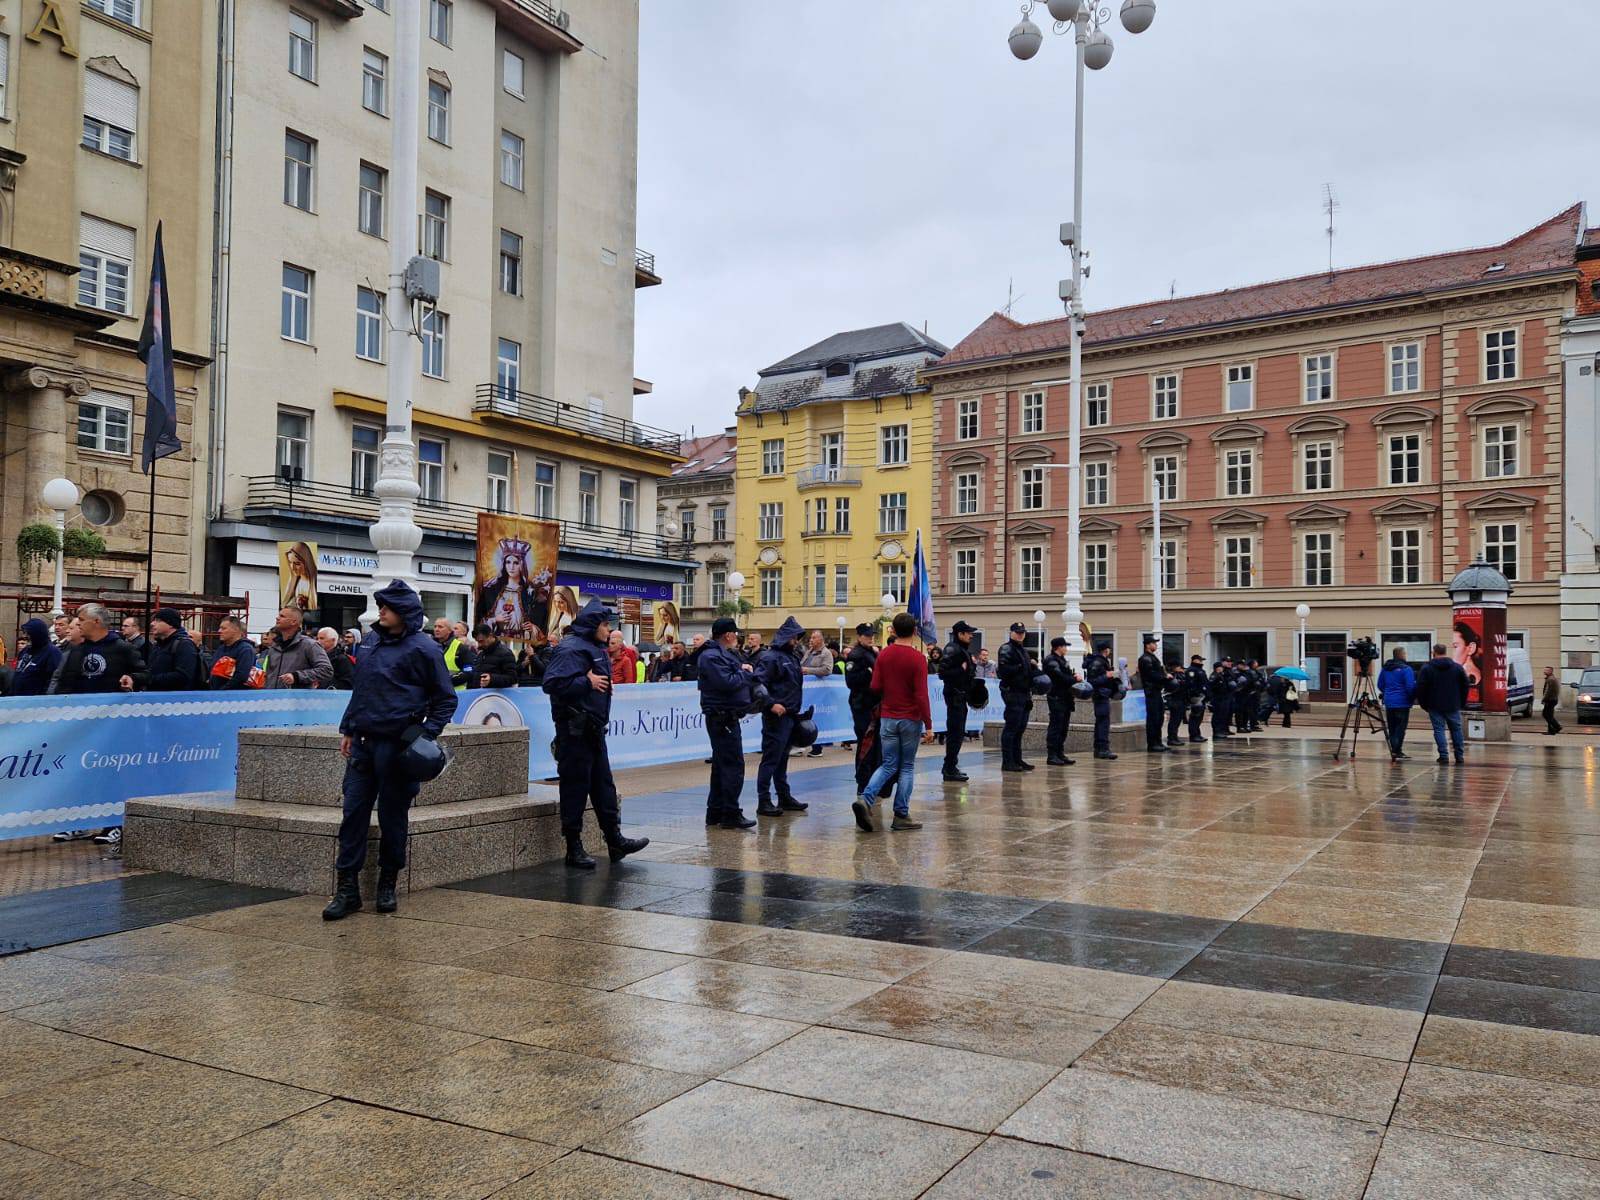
{"points": [[920, 604]]}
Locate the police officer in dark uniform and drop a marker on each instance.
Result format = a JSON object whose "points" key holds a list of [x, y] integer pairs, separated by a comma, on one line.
{"points": [[401, 691], [1059, 699], [1258, 688], [1015, 672], [1195, 686], [957, 671], [1177, 701], [727, 692], [858, 666], [1220, 688], [778, 671], [1153, 679], [1097, 670], [578, 682]]}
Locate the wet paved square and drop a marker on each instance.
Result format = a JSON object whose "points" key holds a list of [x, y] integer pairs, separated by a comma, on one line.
{"points": [[1250, 973]]}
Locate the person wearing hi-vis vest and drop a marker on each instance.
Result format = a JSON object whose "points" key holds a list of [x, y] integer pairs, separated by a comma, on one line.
{"points": [[458, 655]]}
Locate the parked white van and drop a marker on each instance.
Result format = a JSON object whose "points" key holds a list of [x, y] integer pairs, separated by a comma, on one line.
{"points": [[1520, 682]]}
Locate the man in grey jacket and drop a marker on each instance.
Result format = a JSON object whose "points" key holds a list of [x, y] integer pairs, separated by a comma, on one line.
{"points": [[816, 663], [294, 660]]}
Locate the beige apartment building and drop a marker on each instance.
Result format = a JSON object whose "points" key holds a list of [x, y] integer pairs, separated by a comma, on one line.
{"points": [[699, 501], [105, 120], [527, 198]]}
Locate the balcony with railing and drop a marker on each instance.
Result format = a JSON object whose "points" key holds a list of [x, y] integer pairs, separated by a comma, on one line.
{"points": [[827, 475], [512, 404], [542, 23], [306, 499], [644, 269]]}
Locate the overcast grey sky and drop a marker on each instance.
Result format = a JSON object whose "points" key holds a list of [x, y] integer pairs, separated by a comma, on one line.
{"points": [[811, 167]]}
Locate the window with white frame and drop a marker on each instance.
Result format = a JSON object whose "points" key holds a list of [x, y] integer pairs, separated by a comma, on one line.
{"points": [[369, 325], [1096, 566], [544, 490], [1241, 387], [1167, 563], [511, 153], [436, 225], [510, 263], [771, 579], [819, 515], [965, 571], [441, 19], [507, 367], [374, 185], [435, 330], [110, 114], [1164, 476], [1319, 378], [374, 81], [294, 444], [719, 522], [438, 112], [686, 522], [126, 11], [1239, 472], [1030, 488], [105, 264], [1499, 451], [1316, 466], [769, 521], [1097, 483], [512, 71], [1030, 569], [105, 423], [628, 504], [5, 71], [966, 493], [1032, 412], [1238, 561], [1317, 549], [294, 312], [772, 456], [1499, 355], [366, 444], [1500, 548], [1405, 555], [819, 584], [497, 475], [967, 419], [1404, 459], [719, 586], [841, 514], [1097, 404], [1405, 367], [430, 471], [841, 584], [588, 498], [892, 581], [830, 456], [894, 445], [299, 166], [302, 46], [1164, 390], [892, 512]]}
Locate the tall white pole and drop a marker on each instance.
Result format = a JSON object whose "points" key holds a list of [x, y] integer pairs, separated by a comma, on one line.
{"points": [[61, 561], [396, 536], [1072, 600], [1155, 559]]}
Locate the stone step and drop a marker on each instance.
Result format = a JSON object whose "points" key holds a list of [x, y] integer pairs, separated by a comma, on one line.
{"points": [[1125, 735]]}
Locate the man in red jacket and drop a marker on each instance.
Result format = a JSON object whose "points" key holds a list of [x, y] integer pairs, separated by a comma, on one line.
{"points": [[900, 677], [624, 660]]}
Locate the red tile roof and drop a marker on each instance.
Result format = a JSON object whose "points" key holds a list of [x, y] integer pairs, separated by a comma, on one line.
{"points": [[1544, 248], [711, 455]]}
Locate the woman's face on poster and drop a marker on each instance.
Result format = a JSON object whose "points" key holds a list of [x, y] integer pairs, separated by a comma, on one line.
{"points": [[296, 564], [513, 566]]}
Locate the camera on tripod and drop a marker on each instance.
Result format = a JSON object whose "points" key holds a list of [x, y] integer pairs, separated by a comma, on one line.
{"points": [[1363, 652]]}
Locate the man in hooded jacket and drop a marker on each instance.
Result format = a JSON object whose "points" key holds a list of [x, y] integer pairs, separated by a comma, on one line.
{"points": [[37, 662], [778, 670], [578, 681], [402, 691]]}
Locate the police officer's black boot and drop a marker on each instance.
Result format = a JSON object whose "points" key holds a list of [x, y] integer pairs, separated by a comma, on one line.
{"points": [[733, 818], [766, 808], [387, 901], [620, 847], [790, 804], [577, 856], [346, 897]]}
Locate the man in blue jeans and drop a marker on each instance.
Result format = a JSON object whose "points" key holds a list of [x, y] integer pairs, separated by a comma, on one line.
{"points": [[1397, 686], [900, 677], [1442, 693]]}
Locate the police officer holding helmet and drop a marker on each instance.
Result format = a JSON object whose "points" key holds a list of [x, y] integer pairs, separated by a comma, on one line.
{"points": [[1103, 681], [727, 692], [957, 671], [400, 701], [578, 682], [1195, 687], [1060, 702]]}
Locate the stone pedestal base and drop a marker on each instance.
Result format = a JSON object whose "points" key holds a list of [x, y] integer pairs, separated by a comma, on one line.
{"points": [[1484, 727]]}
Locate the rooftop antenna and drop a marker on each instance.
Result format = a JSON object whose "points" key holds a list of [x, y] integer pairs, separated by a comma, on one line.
{"points": [[1172, 292], [1011, 296], [1330, 205]]}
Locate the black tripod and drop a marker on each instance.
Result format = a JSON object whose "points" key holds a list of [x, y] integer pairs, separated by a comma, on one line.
{"points": [[1365, 710]]}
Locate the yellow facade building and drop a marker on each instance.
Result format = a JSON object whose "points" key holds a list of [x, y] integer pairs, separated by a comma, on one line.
{"points": [[835, 478]]}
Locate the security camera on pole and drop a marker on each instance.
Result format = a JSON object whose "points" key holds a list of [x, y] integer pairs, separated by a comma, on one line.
{"points": [[1094, 48]]}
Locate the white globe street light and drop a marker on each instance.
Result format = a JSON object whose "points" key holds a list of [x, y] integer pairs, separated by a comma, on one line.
{"points": [[889, 601], [1097, 51], [735, 583], [59, 495], [1064, 10], [1026, 39], [1137, 15], [1302, 611]]}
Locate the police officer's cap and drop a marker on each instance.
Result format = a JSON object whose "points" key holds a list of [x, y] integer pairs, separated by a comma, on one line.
{"points": [[1018, 627], [723, 626], [863, 629], [1150, 641], [1057, 642], [961, 627]]}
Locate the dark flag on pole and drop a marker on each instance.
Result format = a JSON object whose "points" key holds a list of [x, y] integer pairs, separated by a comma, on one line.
{"points": [[155, 351]]}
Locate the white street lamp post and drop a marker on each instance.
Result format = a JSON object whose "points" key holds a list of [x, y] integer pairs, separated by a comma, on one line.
{"points": [[59, 495], [1093, 50], [1302, 611], [396, 535], [735, 585], [1038, 620], [1155, 561], [889, 601]]}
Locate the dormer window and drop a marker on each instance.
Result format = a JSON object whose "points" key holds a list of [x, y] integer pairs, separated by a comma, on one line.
{"points": [[836, 370]]}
